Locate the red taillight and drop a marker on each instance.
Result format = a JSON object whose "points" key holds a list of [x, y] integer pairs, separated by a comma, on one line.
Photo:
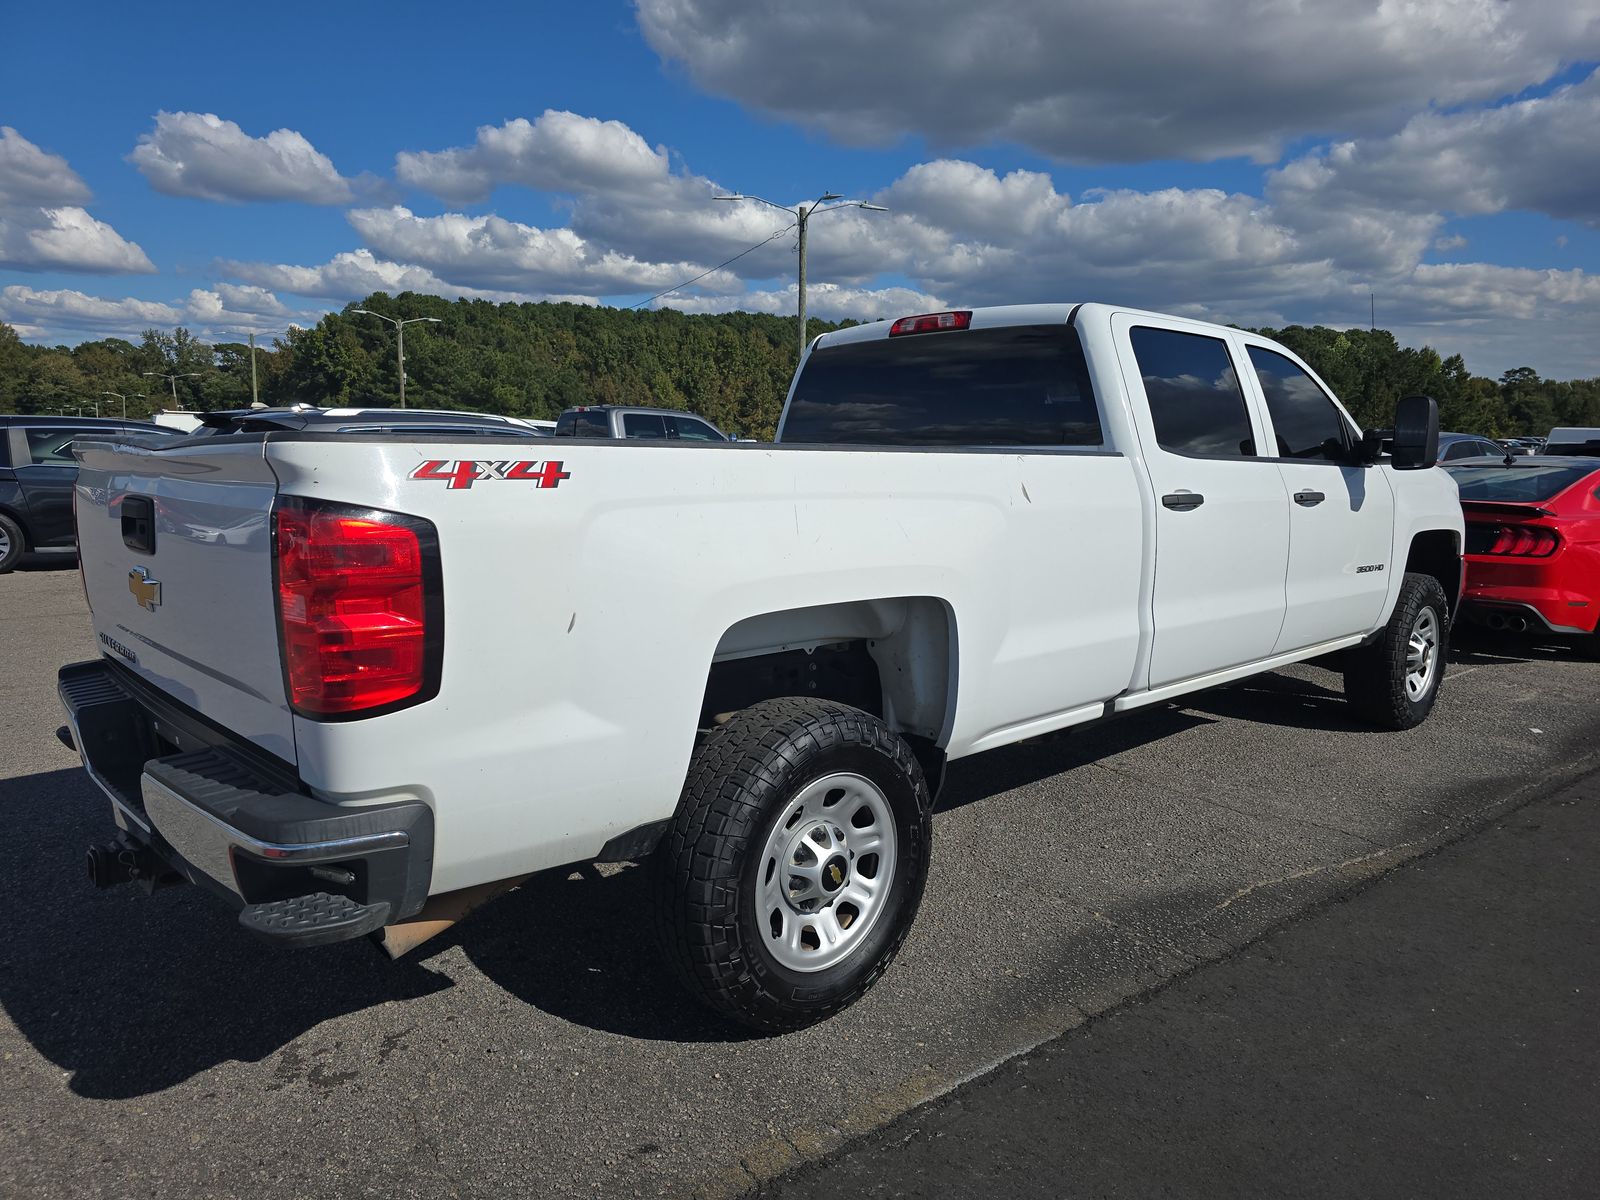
{"points": [[1524, 541], [354, 607], [931, 323]]}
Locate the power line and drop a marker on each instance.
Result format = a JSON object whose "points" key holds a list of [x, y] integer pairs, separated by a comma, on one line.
{"points": [[711, 270]]}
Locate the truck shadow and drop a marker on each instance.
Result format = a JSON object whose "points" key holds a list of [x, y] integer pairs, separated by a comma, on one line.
{"points": [[132, 994]]}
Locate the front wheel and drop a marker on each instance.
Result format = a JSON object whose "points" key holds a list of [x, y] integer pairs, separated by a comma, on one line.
{"points": [[1394, 681], [795, 864]]}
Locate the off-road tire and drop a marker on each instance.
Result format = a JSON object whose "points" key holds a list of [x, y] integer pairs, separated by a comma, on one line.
{"points": [[740, 781], [15, 543], [1375, 674]]}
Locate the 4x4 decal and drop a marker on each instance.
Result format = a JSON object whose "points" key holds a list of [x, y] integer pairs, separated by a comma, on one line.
{"points": [[463, 473]]}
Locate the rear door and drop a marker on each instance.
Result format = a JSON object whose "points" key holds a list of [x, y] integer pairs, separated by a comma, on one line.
{"points": [[176, 547], [1341, 517], [643, 425], [1222, 521], [46, 469]]}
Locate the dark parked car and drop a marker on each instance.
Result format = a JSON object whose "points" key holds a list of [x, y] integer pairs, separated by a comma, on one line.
{"points": [[1454, 446], [37, 472], [618, 421]]}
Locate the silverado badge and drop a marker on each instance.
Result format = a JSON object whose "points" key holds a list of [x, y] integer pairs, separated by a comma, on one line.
{"points": [[146, 591]]}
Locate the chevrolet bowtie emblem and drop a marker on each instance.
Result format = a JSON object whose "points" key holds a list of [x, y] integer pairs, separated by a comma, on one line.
{"points": [[146, 591]]}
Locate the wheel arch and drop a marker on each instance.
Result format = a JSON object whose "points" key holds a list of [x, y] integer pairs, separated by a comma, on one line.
{"points": [[1437, 552], [895, 656]]}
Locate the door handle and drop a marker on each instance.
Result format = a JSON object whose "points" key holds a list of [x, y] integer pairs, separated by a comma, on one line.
{"points": [[1183, 501], [1309, 499]]}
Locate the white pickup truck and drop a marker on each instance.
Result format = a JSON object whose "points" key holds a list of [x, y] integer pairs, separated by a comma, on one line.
{"points": [[352, 683]]}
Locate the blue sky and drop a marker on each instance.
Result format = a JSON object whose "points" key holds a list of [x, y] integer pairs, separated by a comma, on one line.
{"points": [[1028, 150]]}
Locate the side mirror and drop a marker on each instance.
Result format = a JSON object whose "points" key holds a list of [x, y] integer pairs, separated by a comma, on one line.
{"points": [[1416, 433]]}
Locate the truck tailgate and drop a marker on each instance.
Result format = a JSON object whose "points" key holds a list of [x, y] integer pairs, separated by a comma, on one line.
{"points": [[176, 547]]}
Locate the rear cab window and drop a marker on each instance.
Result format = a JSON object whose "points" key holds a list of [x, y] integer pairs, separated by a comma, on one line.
{"points": [[583, 424], [1196, 404], [1014, 386]]}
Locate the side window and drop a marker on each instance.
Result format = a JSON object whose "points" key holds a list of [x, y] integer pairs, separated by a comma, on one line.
{"points": [[1304, 421], [52, 447], [1196, 403], [642, 425], [691, 430]]}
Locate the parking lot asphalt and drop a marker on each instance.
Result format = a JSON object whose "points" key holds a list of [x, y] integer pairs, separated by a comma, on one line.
{"points": [[148, 1046], [1432, 1035]]}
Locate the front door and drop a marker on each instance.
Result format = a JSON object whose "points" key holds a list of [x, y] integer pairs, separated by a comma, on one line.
{"points": [[1341, 516], [1221, 516]]}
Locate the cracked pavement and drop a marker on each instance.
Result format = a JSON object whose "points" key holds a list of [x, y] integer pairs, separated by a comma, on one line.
{"points": [[147, 1045]]}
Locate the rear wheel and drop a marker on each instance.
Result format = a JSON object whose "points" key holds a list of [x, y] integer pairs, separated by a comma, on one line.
{"points": [[795, 864], [1394, 681], [11, 543]]}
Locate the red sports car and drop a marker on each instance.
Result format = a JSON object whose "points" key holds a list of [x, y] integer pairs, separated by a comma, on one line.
{"points": [[1533, 544]]}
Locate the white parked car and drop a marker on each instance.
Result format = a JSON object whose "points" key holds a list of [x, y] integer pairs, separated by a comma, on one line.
{"points": [[428, 666]]}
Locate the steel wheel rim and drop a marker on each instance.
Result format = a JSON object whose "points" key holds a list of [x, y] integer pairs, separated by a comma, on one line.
{"points": [[825, 872], [1422, 654], [5, 543]]}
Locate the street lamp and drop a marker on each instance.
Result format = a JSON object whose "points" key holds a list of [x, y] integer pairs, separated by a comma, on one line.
{"points": [[803, 214], [124, 399], [400, 340], [173, 380]]}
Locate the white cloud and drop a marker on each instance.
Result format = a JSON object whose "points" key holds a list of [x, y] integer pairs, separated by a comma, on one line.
{"points": [[825, 301], [1454, 241], [1537, 155], [1123, 82], [72, 310], [492, 252], [558, 152], [202, 155], [352, 275], [30, 176], [43, 226], [67, 239], [225, 312]]}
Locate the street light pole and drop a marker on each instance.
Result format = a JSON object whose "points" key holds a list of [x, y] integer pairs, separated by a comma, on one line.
{"points": [[802, 216], [173, 380], [254, 398], [400, 340], [124, 399]]}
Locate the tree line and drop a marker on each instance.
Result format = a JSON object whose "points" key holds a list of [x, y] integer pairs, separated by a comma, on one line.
{"points": [[533, 360]]}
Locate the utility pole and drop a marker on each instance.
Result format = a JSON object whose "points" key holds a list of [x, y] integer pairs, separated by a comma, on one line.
{"points": [[124, 399], [1372, 299], [173, 380], [802, 218], [400, 341], [255, 400]]}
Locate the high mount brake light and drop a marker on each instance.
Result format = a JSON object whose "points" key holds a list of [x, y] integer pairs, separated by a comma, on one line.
{"points": [[1524, 541], [931, 323], [360, 616]]}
